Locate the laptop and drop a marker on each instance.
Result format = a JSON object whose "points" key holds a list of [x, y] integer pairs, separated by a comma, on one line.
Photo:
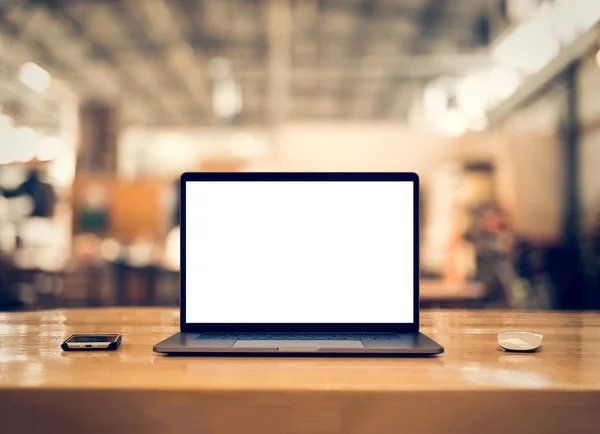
{"points": [[299, 263]]}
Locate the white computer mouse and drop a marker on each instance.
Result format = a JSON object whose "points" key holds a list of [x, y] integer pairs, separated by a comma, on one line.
{"points": [[520, 341]]}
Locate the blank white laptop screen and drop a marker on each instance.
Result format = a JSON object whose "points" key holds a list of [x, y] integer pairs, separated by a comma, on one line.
{"points": [[299, 252]]}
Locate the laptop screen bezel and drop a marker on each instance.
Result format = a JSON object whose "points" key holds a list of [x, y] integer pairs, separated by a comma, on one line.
{"points": [[300, 177]]}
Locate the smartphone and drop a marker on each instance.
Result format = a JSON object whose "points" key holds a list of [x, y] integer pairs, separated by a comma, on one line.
{"points": [[91, 342]]}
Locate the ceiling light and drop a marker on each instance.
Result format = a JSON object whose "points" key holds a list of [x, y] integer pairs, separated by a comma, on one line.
{"points": [[479, 123], [6, 121], [5, 158], [530, 46], [62, 168], [538, 39], [25, 146], [35, 77], [435, 99], [503, 82], [453, 123], [227, 99], [473, 94], [48, 148]]}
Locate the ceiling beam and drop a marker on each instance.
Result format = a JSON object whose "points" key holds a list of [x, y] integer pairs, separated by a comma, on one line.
{"points": [[74, 72], [358, 45], [13, 53], [409, 67], [97, 52], [280, 58], [153, 78], [10, 92], [395, 98], [185, 63]]}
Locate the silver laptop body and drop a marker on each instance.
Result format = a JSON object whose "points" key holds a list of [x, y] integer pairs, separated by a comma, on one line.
{"points": [[299, 263]]}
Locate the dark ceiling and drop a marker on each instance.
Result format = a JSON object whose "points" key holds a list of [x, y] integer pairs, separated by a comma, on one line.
{"points": [[300, 59]]}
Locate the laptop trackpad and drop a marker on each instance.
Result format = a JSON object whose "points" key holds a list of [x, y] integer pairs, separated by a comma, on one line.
{"points": [[291, 344]]}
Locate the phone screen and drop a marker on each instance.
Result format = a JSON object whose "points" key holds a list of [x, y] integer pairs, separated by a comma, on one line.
{"points": [[93, 338]]}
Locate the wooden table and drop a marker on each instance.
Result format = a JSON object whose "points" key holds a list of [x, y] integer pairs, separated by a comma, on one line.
{"points": [[473, 388]]}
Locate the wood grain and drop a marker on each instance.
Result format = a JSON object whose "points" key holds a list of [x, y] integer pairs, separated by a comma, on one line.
{"points": [[473, 387]]}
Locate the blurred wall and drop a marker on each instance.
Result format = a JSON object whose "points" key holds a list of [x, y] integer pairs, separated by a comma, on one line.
{"points": [[589, 158], [330, 146], [133, 208], [530, 178], [166, 153], [372, 146], [300, 146]]}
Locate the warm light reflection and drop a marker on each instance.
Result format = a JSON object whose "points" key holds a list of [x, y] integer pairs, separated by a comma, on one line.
{"points": [[11, 358], [505, 378]]}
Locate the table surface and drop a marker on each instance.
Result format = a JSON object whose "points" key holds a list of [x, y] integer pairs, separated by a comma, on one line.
{"points": [[30, 356], [473, 387]]}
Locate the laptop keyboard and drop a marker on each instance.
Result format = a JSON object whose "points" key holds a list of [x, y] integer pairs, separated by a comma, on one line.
{"points": [[299, 336]]}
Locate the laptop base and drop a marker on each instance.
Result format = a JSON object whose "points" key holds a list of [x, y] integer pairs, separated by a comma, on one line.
{"points": [[414, 344]]}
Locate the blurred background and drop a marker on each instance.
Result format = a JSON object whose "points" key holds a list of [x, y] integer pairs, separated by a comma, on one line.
{"points": [[104, 103]]}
